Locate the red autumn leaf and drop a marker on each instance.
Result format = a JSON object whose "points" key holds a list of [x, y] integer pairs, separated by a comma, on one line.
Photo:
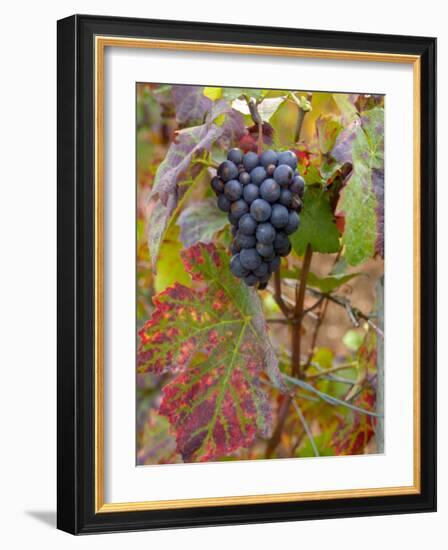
{"points": [[352, 438], [340, 222], [248, 143], [213, 339]]}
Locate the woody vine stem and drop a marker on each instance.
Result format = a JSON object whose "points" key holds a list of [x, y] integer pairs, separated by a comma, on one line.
{"points": [[294, 316]]}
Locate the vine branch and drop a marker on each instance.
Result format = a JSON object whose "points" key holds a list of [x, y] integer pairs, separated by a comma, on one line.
{"points": [[298, 311], [284, 308], [256, 117]]}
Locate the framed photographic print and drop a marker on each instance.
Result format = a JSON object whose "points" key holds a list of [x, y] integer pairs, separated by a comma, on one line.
{"points": [[246, 274]]}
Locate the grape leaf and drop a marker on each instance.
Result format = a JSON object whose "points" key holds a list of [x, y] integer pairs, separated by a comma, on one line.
{"points": [[213, 339], [353, 339], [361, 200], [200, 221], [165, 192], [345, 103], [156, 445], [230, 121], [191, 104], [213, 93], [269, 106], [317, 226], [221, 122], [233, 93], [324, 284], [357, 430], [169, 265], [327, 128]]}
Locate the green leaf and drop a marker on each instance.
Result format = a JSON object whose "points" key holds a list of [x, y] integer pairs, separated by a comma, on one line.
{"points": [[323, 444], [233, 93], [324, 284], [327, 128], [324, 357], [353, 339], [268, 107], [213, 340], [346, 107], [361, 201], [317, 227], [200, 221], [359, 207]]}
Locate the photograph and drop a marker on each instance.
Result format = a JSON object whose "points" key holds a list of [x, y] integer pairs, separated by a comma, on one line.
{"points": [[259, 273]]}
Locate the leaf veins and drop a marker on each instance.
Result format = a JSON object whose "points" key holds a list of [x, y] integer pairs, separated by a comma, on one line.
{"points": [[213, 338]]}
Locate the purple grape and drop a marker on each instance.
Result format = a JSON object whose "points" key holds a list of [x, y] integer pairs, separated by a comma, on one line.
{"points": [[250, 161], [293, 223], [244, 178], [251, 192], [245, 241], [285, 198], [288, 158], [262, 270], [247, 225], [233, 219], [270, 190], [265, 233], [223, 203], [284, 251], [236, 268], [227, 170], [250, 259], [239, 208], [297, 186], [233, 190], [251, 279], [281, 240], [260, 210], [268, 157], [258, 175], [265, 250], [235, 156], [279, 216], [283, 174], [274, 264], [217, 185]]}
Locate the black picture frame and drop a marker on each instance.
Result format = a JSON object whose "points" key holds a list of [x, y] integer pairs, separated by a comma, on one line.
{"points": [[76, 225]]}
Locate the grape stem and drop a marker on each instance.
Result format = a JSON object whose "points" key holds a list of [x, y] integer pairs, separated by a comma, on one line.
{"points": [[296, 319], [278, 295], [298, 312], [300, 116], [256, 117]]}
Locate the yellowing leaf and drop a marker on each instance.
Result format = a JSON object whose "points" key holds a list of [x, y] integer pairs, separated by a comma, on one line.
{"points": [[169, 264], [213, 93]]}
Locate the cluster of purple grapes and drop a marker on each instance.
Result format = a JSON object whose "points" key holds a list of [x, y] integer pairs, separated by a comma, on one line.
{"points": [[262, 195]]}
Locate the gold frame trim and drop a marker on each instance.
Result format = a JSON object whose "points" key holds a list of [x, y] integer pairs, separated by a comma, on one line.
{"points": [[101, 42]]}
